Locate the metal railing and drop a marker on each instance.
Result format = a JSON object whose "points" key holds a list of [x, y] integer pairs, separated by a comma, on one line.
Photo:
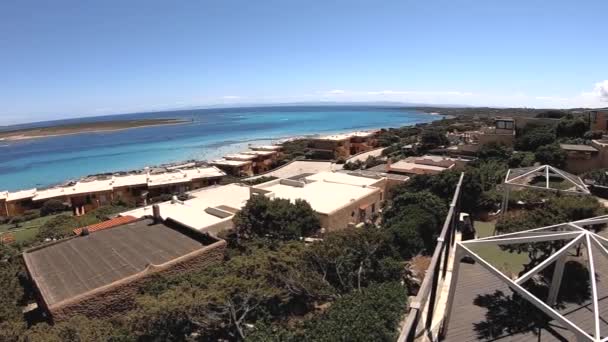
{"points": [[420, 316]]}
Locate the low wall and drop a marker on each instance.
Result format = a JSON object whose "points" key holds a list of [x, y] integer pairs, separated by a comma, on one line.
{"points": [[120, 296]]}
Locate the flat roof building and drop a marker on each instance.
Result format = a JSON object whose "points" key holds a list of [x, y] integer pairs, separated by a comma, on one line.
{"points": [[90, 193], [210, 210], [339, 199], [99, 274], [427, 164]]}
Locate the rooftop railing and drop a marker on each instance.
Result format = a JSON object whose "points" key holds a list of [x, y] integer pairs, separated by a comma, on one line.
{"points": [[419, 318]]}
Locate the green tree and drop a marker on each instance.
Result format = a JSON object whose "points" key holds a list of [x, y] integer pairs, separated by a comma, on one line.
{"points": [[534, 136], [433, 138], [552, 155], [494, 151], [276, 218], [353, 258], [370, 315], [571, 128], [52, 206], [218, 302], [58, 227]]}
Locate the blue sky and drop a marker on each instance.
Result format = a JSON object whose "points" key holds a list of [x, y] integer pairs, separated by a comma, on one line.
{"points": [[77, 58]]}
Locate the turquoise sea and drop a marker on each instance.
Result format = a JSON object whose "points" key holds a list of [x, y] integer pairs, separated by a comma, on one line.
{"points": [[210, 133]]}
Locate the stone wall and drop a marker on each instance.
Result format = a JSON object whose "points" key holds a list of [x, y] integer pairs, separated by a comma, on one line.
{"points": [[120, 296]]}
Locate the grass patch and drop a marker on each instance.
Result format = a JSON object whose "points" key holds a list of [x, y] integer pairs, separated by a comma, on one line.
{"points": [[27, 230], [35, 223], [510, 264]]}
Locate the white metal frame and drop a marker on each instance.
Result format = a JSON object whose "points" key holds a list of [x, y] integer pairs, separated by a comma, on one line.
{"points": [[510, 182], [571, 230]]}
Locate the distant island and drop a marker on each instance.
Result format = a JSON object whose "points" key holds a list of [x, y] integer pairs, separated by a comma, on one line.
{"points": [[85, 127]]}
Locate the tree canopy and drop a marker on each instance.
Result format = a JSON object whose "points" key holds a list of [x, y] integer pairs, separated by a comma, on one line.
{"points": [[276, 218]]}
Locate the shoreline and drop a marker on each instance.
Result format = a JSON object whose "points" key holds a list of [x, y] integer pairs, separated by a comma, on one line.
{"points": [[23, 136], [217, 152]]}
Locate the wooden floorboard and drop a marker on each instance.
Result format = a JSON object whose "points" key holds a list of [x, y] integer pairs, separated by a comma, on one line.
{"points": [[467, 318]]}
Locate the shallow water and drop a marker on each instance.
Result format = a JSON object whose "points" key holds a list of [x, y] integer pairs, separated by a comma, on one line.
{"points": [[210, 133]]}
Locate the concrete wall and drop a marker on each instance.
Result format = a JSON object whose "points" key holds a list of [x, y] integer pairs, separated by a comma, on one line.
{"points": [[120, 296], [340, 218], [3, 208]]}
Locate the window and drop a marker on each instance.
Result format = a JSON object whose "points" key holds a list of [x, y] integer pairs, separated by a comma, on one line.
{"points": [[500, 124], [373, 208], [509, 125]]}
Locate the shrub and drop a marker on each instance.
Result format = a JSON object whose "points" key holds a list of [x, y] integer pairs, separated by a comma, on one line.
{"points": [[552, 155], [52, 206], [370, 315]]}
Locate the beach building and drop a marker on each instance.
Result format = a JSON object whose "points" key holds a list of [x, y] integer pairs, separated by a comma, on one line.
{"points": [[342, 146], [276, 148], [425, 165], [263, 161], [331, 147], [91, 193], [99, 272], [209, 210], [598, 119], [236, 168], [341, 200], [3, 208], [584, 158], [16, 203], [469, 142]]}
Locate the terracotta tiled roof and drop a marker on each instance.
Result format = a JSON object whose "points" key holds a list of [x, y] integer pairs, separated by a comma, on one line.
{"points": [[6, 239], [118, 221]]}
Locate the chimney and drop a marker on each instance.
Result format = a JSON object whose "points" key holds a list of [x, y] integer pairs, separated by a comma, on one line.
{"points": [[156, 213]]}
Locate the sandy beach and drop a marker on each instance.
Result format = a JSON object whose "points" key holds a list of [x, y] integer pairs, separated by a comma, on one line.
{"points": [[93, 127]]}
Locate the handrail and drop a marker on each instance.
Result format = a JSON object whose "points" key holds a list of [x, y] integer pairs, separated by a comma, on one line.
{"points": [[427, 294]]}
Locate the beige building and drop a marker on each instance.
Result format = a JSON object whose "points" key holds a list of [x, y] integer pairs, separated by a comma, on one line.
{"points": [[237, 168], [88, 194], [341, 200], [584, 158], [209, 210], [342, 146], [426, 165]]}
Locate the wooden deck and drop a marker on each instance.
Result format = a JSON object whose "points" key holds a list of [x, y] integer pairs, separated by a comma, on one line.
{"points": [[476, 317]]}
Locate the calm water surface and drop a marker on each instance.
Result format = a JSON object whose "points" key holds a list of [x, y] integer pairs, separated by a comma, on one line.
{"points": [[210, 133]]}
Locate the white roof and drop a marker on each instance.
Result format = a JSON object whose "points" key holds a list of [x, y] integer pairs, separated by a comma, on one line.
{"points": [[99, 185], [405, 166], [192, 212], [168, 178], [259, 153], [343, 178], [19, 195], [130, 180], [82, 187], [324, 197], [230, 162], [206, 172], [266, 148], [3, 195], [239, 156]]}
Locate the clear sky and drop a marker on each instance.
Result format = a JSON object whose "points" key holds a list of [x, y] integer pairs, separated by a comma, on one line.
{"points": [[77, 58]]}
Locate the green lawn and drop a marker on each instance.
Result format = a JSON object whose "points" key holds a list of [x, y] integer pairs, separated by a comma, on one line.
{"points": [[27, 230], [509, 263]]}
